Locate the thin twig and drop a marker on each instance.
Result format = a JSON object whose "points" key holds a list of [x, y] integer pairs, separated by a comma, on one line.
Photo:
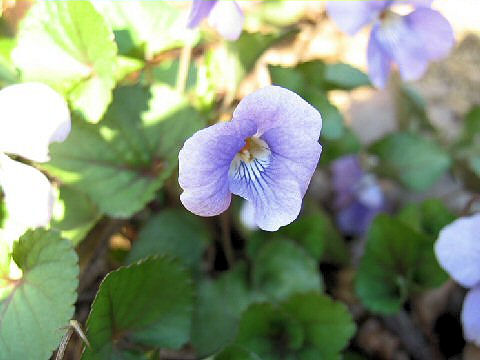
{"points": [[183, 66]]}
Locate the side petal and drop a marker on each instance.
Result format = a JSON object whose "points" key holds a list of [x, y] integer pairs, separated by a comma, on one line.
{"points": [[351, 16], [402, 44], [200, 10], [204, 162], [32, 116], [471, 316], [275, 193], [346, 173], [227, 18], [274, 107], [379, 62], [434, 30], [28, 194], [458, 250]]}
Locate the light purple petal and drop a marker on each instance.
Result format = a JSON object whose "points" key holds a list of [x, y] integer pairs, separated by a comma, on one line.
{"points": [[32, 115], [346, 173], [274, 107], [275, 195], [379, 62], [290, 127], [356, 218], [28, 194], [434, 31], [458, 250], [471, 316], [403, 45], [200, 10], [351, 16], [417, 3], [227, 17], [204, 162]]}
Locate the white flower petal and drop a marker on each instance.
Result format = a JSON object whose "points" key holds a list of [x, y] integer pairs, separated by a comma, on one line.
{"points": [[227, 18], [28, 194], [458, 250], [32, 115]]}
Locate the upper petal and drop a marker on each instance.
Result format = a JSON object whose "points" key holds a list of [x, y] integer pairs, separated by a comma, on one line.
{"points": [[227, 18], [434, 30], [401, 44], [28, 194], [471, 316], [351, 16], [458, 250], [275, 107], [32, 115], [379, 61], [200, 10], [204, 162]]}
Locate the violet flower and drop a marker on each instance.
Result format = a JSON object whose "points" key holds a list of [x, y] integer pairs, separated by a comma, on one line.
{"points": [[266, 154], [225, 16], [358, 196], [458, 252], [410, 41]]}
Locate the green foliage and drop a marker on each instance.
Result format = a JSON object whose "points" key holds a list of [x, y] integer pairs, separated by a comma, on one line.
{"points": [[281, 268], [29, 329], [75, 214], [74, 53], [415, 161], [305, 326], [144, 28], [175, 233], [397, 260], [345, 77], [148, 303], [121, 162], [218, 308]]}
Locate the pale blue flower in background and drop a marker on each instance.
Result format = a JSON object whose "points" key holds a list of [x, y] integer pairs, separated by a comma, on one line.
{"points": [[225, 16], [358, 195], [32, 115], [411, 41], [458, 252], [266, 154]]}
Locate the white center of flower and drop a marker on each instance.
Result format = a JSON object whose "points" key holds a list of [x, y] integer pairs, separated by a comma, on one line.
{"points": [[251, 161]]}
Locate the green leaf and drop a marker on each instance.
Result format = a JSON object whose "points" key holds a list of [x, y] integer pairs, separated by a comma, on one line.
{"points": [[74, 51], [287, 77], [145, 28], [148, 303], [428, 217], [281, 268], [35, 307], [332, 119], [467, 149], [172, 232], [344, 77], [121, 162], [74, 214], [8, 73], [348, 143], [218, 308], [415, 161], [397, 260], [316, 233], [328, 324], [306, 326]]}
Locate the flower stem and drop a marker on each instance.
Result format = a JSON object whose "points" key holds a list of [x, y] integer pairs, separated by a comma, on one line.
{"points": [[183, 66], [226, 239]]}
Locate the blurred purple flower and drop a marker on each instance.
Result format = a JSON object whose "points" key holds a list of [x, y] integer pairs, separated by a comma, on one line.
{"points": [[225, 16], [458, 252], [410, 41], [266, 154], [358, 196]]}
